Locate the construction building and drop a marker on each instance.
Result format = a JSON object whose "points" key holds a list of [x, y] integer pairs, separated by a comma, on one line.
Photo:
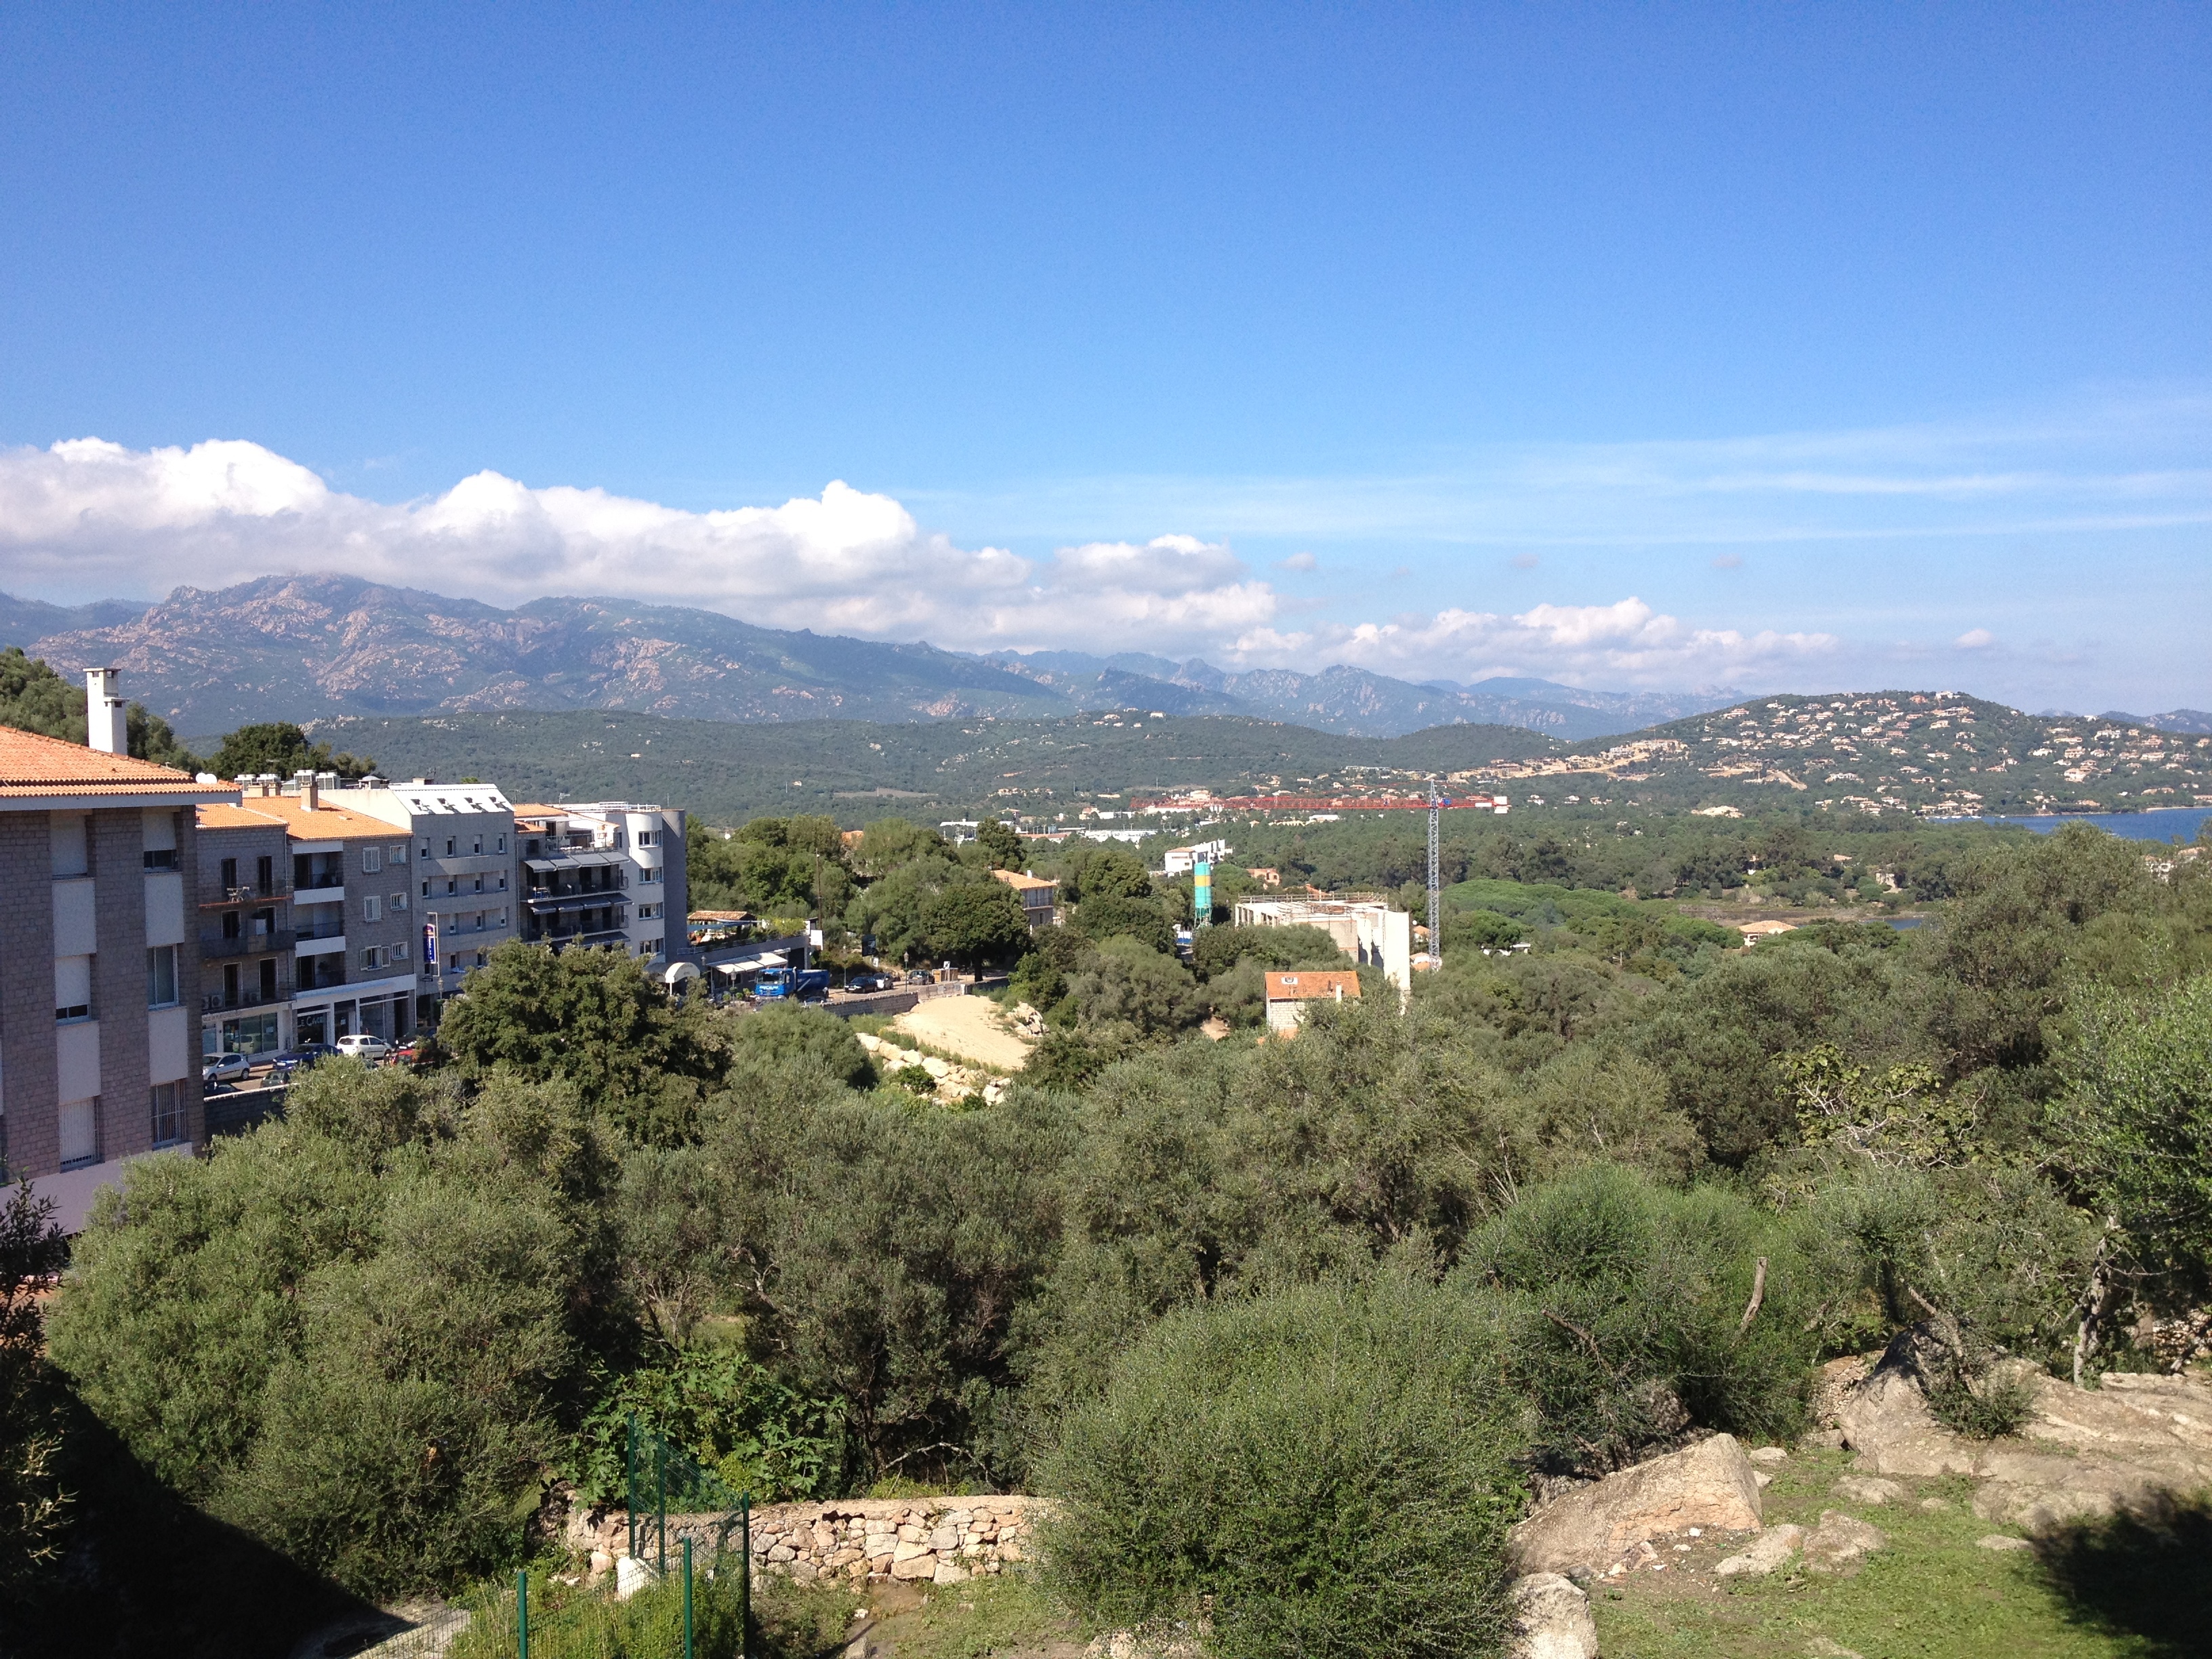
{"points": [[1368, 930]]}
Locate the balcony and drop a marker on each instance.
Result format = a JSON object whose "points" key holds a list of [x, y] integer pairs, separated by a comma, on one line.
{"points": [[224, 897], [245, 945], [248, 997]]}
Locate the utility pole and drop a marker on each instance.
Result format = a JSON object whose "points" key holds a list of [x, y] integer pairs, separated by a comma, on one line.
{"points": [[1437, 805]]}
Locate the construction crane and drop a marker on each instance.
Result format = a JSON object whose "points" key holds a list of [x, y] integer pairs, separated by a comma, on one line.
{"points": [[1437, 805]]}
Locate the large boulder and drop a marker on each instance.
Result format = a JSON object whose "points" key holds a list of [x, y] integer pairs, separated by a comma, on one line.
{"points": [[1550, 1620], [1711, 1485], [1836, 1544]]}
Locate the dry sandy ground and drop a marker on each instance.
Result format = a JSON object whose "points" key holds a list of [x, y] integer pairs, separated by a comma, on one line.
{"points": [[970, 1027]]}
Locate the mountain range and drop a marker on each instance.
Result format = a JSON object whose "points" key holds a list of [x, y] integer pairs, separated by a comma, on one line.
{"points": [[311, 648]]}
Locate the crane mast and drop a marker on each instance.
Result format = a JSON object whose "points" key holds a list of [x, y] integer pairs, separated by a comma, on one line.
{"points": [[1437, 805]]}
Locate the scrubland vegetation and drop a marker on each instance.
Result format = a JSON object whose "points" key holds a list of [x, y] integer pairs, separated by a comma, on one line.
{"points": [[1289, 1327]]}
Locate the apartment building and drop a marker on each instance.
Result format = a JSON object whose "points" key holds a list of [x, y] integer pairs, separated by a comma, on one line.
{"points": [[245, 925], [99, 858], [354, 946], [603, 874], [462, 837]]}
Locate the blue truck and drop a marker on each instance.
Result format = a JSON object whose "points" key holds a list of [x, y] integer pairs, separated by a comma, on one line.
{"points": [[793, 985]]}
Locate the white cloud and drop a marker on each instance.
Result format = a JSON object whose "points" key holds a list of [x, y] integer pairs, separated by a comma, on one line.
{"points": [[1297, 561], [1975, 638], [1628, 640], [90, 517]]}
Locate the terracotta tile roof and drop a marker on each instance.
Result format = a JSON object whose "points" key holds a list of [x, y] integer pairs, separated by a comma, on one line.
{"points": [[1307, 983], [1022, 883], [536, 809], [324, 822], [34, 765], [224, 817]]}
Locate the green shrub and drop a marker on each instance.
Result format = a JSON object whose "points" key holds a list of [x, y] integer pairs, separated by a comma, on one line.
{"points": [[728, 1413], [1329, 1470], [1626, 1301], [778, 1036], [1990, 1407]]}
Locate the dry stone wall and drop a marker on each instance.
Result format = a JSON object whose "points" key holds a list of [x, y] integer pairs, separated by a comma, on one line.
{"points": [[937, 1541]]}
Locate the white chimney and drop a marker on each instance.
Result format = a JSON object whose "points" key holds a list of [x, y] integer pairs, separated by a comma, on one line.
{"points": [[309, 791], [106, 725]]}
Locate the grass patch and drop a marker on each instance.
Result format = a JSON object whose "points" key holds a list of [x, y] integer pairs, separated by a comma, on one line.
{"points": [[1009, 1614], [1932, 1594]]}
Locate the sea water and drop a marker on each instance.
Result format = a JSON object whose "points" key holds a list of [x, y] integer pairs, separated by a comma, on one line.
{"points": [[2161, 823]]}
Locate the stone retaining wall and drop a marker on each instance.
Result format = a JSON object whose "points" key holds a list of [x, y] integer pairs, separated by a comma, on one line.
{"points": [[939, 1541]]}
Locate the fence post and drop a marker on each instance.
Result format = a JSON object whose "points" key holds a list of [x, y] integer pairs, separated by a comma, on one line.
{"points": [[687, 1596], [660, 1499], [522, 1609], [630, 1482], [745, 1576]]}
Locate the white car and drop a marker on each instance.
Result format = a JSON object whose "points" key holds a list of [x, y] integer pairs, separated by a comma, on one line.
{"points": [[365, 1049], [226, 1068]]}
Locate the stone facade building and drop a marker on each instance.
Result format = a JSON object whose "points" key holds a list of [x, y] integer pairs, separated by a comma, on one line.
{"points": [[98, 953]]}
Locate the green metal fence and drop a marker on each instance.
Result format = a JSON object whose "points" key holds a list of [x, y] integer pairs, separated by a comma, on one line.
{"points": [[698, 1604]]}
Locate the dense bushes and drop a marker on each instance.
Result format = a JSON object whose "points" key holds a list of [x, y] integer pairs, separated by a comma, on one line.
{"points": [[1628, 1305], [372, 1333], [1328, 1470], [359, 1335]]}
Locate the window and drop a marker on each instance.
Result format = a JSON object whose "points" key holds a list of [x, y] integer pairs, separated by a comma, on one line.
{"points": [[72, 844], [426, 887], [372, 908], [264, 876], [648, 875], [502, 843], [230, 874], [479, 886], [369, 956], [371, 860], [399, 853], [502, 918], [162, 977], [502, 881], [645, 838], [80, 1127], [426, 849], [452, 886], [478, 847], [449, 847], [72, 987], [169, 1128], [399, 952], [400, 904]]}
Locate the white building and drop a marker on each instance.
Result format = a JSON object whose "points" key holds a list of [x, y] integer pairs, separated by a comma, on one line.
{"points": [[603, 873], [463, 841], [1181, 860], [1368, 931]]}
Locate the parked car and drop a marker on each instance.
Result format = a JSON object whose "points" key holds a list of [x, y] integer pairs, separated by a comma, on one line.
{"points": [[870, 983], [919, 977], [298, 1060], [226, 1068], [364, 1047]]}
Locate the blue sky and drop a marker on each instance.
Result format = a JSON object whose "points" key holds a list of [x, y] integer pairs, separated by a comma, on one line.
{"points": [[1787, 347]]}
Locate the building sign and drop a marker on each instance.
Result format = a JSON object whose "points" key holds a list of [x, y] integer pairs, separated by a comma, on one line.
{"points": [[1201, 893], [430, 944]]}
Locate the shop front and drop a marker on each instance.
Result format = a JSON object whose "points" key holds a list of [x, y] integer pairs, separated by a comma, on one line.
{"points": [[379, 1008]]}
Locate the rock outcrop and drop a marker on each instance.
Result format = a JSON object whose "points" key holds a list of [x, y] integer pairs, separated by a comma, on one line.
{"points": [[1771, 1549], [2082, 1452], [1551, 1620], [1710, 1485]]}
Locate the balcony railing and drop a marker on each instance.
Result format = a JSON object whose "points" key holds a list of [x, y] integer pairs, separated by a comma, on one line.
{"points": [[223, 897], [248, 997], [245, 945]]}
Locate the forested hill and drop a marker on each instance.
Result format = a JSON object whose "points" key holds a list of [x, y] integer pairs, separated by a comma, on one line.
{"points": [[1920, 750], [1931, 752], [857, 769]]}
